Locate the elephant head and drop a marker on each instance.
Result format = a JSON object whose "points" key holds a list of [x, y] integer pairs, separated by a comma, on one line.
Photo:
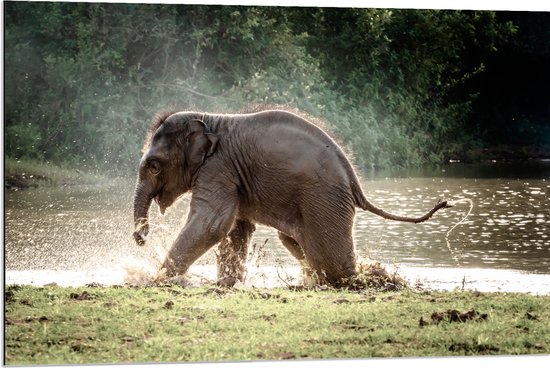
{"points": [[172, 156]]}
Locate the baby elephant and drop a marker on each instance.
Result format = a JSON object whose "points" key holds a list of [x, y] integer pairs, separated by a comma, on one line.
{"points": [[271, 167]]}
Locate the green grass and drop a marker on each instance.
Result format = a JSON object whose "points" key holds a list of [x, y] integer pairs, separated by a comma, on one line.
{"points": [[22, 173], [53, 325]]}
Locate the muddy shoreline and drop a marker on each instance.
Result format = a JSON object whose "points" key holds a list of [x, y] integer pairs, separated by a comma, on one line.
{"points": [[418, 278]]}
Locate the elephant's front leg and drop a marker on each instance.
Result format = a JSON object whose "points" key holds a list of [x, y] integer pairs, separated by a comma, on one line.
{"points": [[232, 251], [208, 223]]}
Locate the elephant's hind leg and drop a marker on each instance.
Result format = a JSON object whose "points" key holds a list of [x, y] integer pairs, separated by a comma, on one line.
{"points": [[232, 251], [328, 244]]}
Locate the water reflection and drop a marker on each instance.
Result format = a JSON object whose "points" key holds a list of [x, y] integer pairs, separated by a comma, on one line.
{"points": [[88, 228]]}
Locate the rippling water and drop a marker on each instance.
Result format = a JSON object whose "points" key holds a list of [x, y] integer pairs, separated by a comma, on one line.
{"points": [[508, 226], [88, 228]]}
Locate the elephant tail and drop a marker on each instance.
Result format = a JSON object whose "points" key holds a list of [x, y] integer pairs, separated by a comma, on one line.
{"points": [[362, 202]]}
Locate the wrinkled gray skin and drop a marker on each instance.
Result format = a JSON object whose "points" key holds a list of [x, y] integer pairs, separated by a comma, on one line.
{"points": [[272, 168]]}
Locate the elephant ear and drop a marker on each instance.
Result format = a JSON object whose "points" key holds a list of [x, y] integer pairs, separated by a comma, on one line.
{"points": [[200, 145]]}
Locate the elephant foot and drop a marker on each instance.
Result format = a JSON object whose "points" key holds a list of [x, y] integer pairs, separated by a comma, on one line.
{"points": [[230, 268], [227, 281], [171, 268], [162, 278], [140, 235]]}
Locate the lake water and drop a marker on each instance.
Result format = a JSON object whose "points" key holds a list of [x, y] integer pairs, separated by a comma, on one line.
{"points": [[81, 234]]}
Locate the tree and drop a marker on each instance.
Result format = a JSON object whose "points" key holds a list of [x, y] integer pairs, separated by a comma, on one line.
{"points": [[82, 79]]}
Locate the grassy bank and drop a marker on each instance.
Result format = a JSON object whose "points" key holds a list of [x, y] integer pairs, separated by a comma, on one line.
{"points": [[28, 173], [168, 323]]}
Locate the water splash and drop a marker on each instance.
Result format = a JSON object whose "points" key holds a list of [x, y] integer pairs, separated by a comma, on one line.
{"points": [[426, 278], [139, 272]]}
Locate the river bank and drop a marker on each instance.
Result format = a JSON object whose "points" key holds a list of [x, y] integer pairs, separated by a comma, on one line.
{"points": [[27, 173], [30, 173], [505, 153]]}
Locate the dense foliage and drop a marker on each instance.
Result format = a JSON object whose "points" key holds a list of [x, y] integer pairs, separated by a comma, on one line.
{"points": [[397, 86]]}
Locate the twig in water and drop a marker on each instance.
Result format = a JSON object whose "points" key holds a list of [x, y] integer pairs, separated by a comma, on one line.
{"points": [[286, 278]]}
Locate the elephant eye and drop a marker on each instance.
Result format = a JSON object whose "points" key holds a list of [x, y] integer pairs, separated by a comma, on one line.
{"points": [[154, 167]]}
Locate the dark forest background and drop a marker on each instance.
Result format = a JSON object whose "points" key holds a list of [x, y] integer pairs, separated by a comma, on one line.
{"points": [[400, 88]]}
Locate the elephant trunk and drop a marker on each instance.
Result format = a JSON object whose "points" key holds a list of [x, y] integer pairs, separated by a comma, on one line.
{"points": [[142, 202]]}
